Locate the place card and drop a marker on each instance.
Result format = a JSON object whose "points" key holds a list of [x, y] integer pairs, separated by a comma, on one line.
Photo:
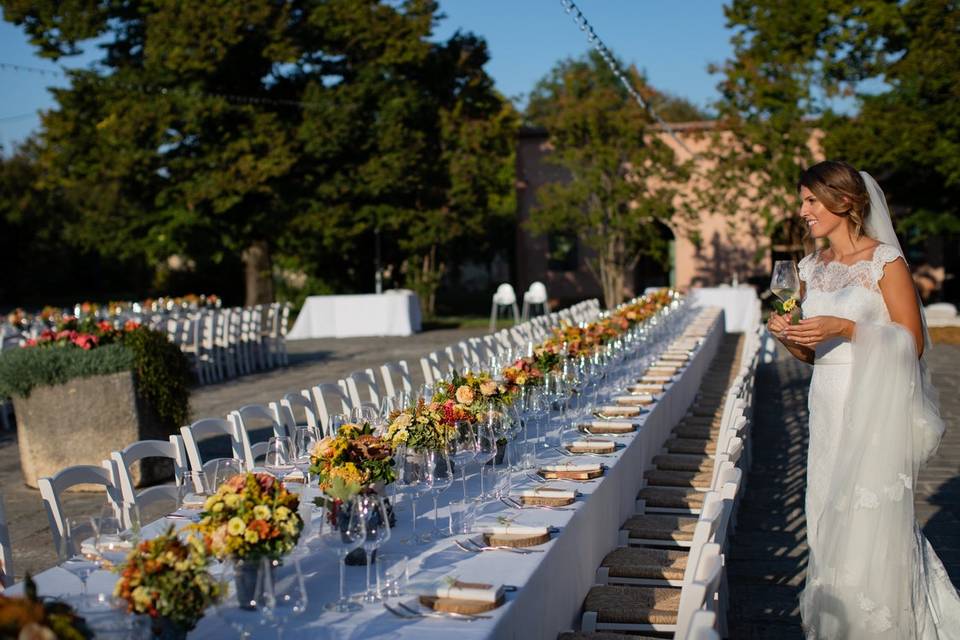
{"points": [[458, 596]]}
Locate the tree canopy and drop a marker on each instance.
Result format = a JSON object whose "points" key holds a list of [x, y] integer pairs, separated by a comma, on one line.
{"points": [[287, 132]]}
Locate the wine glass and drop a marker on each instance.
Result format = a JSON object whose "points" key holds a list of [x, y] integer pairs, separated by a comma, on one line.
{"points": [[486, 450], [411, 480], [463, 449], [344, 531], [304, 442], [364, 413], [377, 524], [279, 458], [77, 551], [440, 477], [247, 594], [337, 420], [785, 281], [225, 469], [192, 489], [287, 596], [109, 541]]}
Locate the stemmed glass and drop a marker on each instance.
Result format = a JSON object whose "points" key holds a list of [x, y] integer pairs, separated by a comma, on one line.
{"points": [[336, 420], [463, 449], [785, 281], [225, 469], [440, 477], [76, 557], [345, 531], [247, 609], [304, 442], [364, 414], [287, 594], [192, 489], [411, 480], [486, 450], [112, 548], [377, 525], [280, 456]]}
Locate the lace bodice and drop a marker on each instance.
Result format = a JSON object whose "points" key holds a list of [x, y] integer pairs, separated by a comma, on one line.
{"points": [[846, 291]]}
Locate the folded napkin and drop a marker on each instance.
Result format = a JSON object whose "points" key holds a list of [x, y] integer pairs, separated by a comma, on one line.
{"points": [[458, 590], [572, 467], [634, 400], [656, 379], [548, 492], [512, 528], [592, 445], [616, 426], [611, 410]]}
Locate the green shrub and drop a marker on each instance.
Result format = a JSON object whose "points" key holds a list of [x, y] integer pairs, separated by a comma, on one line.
{"points": [[161, 371]]}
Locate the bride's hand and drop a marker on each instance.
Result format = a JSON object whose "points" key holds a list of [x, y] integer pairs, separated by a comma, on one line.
{"points": [[777, 324], [810, 332]]}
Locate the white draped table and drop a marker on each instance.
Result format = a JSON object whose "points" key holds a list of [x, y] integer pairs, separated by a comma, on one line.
{"points": [[738, 304], [550, 586], [394, 313]]}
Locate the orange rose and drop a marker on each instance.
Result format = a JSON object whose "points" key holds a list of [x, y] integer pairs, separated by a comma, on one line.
{"points": [[465, 395], [488, 388]]}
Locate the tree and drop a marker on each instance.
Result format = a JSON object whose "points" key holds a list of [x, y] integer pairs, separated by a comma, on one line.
{"points": [[778, 91], [622, 176], [286, 131]]}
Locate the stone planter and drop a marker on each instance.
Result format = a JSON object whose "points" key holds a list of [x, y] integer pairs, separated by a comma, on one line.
{"points": [[81, 422]]}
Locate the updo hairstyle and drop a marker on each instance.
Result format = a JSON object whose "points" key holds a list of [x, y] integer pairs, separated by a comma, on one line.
{"points": [[841, 189]]}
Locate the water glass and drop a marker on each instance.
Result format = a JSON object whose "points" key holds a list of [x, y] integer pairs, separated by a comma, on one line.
{"points": [[377, 524], [344, 531], [440, 477], [392, 574], [486, 450], [193, 489], [225, 469], [280, 456], [77, 551]]}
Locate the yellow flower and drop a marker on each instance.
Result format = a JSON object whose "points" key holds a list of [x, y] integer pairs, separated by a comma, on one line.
{"points": [[522, 379], [232, 500], [251, 536], [262, 512], [282, 513], [217, 508], [789, 305], [236, 526]]}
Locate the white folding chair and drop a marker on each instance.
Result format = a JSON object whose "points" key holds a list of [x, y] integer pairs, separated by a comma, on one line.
{"points": [[504, 298], [142, 501], [211, 427], [285, 411], [402, 371], [703, 626], [437, 366], [243, 419], [6, 550], [535, 296], [51, 488], [330, 400], [359, 384]]}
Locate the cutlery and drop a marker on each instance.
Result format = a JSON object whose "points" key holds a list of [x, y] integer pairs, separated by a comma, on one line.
{"points": [[442, 614]]}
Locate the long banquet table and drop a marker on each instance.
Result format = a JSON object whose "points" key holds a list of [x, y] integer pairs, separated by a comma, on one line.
{"points": [[394, 313], [550, 586]]}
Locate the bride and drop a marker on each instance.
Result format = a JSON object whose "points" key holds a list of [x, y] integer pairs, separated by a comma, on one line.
{"points": [[874, 421]]}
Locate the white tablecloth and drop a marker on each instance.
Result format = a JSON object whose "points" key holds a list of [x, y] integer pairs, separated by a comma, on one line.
{"points": [[550, 585], [739, 304], [395, 313]]}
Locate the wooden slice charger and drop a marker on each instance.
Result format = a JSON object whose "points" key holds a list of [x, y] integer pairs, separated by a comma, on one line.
{"points": [[571, 475], [455, 605], [620, 412], [544, 499], [609, 448], [515, 539], [615, 428]]}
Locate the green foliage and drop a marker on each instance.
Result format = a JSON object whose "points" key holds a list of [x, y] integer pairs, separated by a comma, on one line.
{"points": [[162, 372], [356, 121], [21, 370], [622, 176], [163, 375], [787, 65]]}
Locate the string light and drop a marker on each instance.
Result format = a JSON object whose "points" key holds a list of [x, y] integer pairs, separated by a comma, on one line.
{"points": [[572, 9]]}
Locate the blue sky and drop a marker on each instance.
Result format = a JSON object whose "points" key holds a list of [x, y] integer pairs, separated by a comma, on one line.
{"points": [[673, 42]]}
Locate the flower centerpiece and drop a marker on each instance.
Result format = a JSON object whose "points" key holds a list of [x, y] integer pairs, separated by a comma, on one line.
{"points": [[474, 393], [252, 515], [167, 579], [354, 460], [31, 617], [427, 426]]}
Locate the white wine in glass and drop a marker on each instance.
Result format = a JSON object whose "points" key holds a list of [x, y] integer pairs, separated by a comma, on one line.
{"points": [[785, 281]]}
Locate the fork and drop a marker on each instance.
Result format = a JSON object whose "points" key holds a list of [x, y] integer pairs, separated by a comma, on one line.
{"points": [[475, 547], [516, 504], [416, 615], [567, 452]]}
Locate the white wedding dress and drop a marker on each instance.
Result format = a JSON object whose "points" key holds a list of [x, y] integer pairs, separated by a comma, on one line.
{"points": [[871, 572]]}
